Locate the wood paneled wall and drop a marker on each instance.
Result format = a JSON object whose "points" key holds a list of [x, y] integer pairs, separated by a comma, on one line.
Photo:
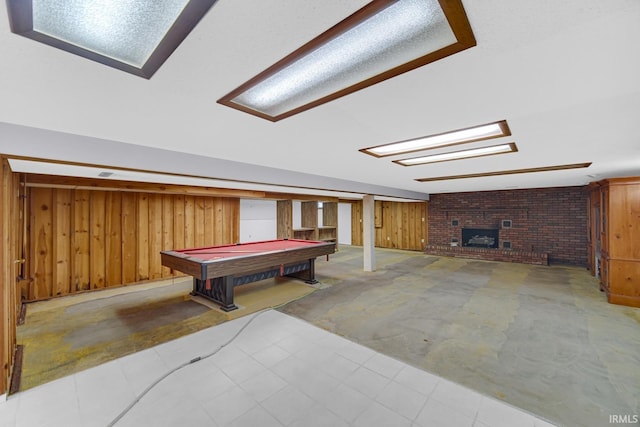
{"points": [[10, 211], [398, 225], [90, 239]]}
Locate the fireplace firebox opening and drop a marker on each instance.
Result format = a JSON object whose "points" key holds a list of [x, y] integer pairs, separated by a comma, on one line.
{"points": [[480, 237]]}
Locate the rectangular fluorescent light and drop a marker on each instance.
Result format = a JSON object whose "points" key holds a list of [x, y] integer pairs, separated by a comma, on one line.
{"points": [[133, 36], [382, 40], [457, 155], [461, 136], [506, 172]]}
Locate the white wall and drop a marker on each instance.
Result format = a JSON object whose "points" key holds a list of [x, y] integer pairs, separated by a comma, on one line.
{"points": [[344, 223], [296, 208], [257, 220]]}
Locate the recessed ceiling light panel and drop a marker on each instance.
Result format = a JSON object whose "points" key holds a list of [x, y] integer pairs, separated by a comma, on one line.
{"points": [[476, 133], [133, 35], [507, 172], [462, 154], [381, 40]]}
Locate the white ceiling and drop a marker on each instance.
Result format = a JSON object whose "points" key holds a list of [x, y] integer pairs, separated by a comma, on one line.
{"points": [[564, 74]]}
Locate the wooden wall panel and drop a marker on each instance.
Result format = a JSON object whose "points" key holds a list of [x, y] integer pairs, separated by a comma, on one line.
{"points": [[231, 220], [167, 228], [189, 222], [61, 247], [97, 246], [284, 218], [219, 222], [129, 233], [178, 223], [155, 236], [209, 222], [93, 239], [624, 218], [11, 238], [143, 237], [41, 243], [356, 224], [199, 222], [330, 214], [81, 278], [113, 237], [399, 225]]}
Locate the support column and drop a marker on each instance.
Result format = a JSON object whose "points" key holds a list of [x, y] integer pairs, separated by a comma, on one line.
{"points": [[368, 233]]}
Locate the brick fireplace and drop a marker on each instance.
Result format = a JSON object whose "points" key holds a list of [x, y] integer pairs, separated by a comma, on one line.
{"points": [[537, 226]]}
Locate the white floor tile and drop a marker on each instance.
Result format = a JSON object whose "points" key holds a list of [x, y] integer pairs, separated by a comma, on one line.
{"points": [[8, 410], [229, 355], [338, 366], [251, 343], [417, 380], [384, 365], [280, 371], [315, 383], [288, 405], [459, 399], [367, 382], [290, 368], [294, 343], [355, 352], [141, 369], [437, 414], [206, 386], [497, 414], [402, 399], [263, 385], [228, 406], [174, 411], [319, 416], [377, 415], [243, 369], [347, 403], [542, 423], [315, 355], [270, 356], [51, 404], [256, 416]]}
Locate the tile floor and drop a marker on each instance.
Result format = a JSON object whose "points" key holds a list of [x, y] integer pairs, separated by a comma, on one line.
{"points": [[276, 370]]}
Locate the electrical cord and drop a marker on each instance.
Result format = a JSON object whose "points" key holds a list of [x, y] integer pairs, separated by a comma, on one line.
{"points": [[137, 399], [177, 368]]}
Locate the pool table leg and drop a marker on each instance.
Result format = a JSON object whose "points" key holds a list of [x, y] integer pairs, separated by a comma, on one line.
{"points": [[226, 294], [312, 272], [308, 275], [218, 290]]}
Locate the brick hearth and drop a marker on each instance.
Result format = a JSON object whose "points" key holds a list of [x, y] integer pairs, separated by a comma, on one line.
{"points": [[489, 254]]}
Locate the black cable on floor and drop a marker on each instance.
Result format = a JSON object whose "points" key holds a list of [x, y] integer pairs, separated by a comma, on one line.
{"points": [[190, 362], [194, 360]]}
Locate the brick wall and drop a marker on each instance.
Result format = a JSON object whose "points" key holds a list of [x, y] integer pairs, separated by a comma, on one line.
{"points": [[544, 220]]}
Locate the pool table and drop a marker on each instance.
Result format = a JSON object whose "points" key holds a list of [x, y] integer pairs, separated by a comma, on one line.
{"points": [[216, 270]]}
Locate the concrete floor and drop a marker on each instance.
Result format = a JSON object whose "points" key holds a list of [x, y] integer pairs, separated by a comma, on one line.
{"points": [[66, 335], [540, 338]]}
